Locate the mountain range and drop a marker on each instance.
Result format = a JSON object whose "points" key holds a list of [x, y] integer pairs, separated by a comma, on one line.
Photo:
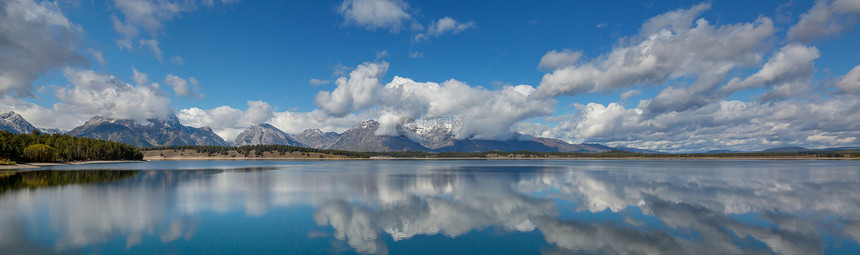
{"points": [[155, 132], [361, 137]]}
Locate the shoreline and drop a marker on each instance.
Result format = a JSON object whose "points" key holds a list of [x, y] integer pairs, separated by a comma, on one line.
{"points": [[495, 158], [28, 166]]}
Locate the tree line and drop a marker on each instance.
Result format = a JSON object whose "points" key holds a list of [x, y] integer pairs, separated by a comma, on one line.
{"points": [[260, 149], [38, 147]]}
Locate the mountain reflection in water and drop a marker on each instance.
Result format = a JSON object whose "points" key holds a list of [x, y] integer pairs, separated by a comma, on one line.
{"points": [[607, 207]]}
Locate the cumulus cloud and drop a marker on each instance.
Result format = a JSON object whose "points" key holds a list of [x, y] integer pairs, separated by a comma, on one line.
{"points": [[93, 93], [445, 25], [826, 18], [140, 78], [375, 14], [296, 122], [43, 117], [792, 63], [557, 59], [721, 124], [487, 114], [353, 93], [188, 88], [90, 93], [669, 46], [227, 121], [36, 38], [850, 83]]}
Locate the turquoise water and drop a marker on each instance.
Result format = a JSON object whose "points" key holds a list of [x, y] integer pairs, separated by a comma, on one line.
{"points": [[435, 207]]}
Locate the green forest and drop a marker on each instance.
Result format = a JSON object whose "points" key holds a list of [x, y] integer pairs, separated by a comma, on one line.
{"points": [[259, 150], [38, 147]]}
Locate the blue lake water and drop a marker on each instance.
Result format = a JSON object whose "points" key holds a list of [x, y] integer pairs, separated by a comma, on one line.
{"points": [[435, 207]]}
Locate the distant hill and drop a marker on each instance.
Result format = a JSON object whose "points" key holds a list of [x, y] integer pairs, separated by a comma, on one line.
{"points": [[264, 134], [787, 149], [722, 151], [156, 132]]}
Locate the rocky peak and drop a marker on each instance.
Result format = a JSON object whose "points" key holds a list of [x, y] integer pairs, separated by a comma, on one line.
{"points": [[15, 123], [315, 138], [264, 134]]}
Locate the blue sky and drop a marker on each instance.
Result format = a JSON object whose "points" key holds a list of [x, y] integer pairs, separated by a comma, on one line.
{"points": [[674, 76]]}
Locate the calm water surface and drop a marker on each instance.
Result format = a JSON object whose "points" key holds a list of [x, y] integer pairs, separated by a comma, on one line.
{"points": [[435, 207]]}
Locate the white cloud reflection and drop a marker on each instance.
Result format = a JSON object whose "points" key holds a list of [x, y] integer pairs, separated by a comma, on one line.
{"points": [[366, 203]]}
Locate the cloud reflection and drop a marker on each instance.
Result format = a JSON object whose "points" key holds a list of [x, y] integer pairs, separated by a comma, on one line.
{"points": [[718, 208]]}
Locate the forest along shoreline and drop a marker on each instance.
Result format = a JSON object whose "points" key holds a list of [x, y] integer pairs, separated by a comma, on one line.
{"points": [[285, 152], [37, 149]]}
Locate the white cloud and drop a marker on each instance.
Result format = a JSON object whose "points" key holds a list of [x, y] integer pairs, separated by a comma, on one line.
{"points": [[630, 93], [36, 38], [826, 18], [557, 59], [153, 46], [416, 54], [93, 94], [296, 122], [318, 82], [381, 54], [792, 63], [375, 14], [830, 139], [139, 78], [177, 60], [487, 114], [445, 25], [353, 93], [227, 121], [182, 87], [147, 14], [667, 47], [732, 125], [100, 58], [850, 83], [42, 117], [89, 94]]}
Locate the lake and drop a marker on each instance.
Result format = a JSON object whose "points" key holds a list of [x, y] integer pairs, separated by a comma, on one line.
{"points": [[434, 207]]}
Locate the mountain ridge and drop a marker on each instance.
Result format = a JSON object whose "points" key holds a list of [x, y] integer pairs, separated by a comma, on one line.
{"points": [[265, 134], [157, 132], [15, 123]]}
